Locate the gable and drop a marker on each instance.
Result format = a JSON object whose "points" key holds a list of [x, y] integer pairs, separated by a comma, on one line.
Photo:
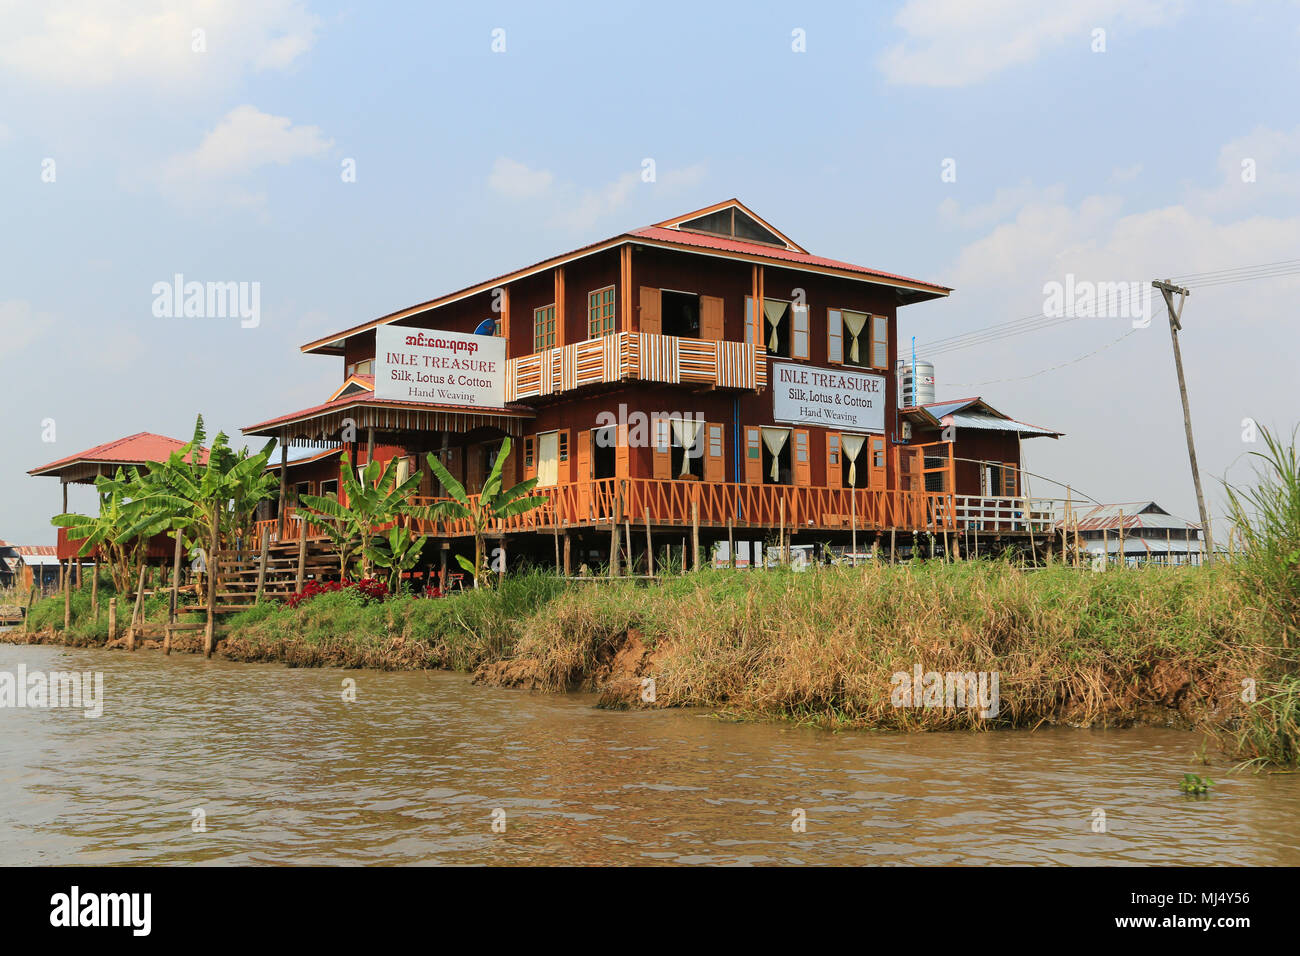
{"points": [[731, 220]]}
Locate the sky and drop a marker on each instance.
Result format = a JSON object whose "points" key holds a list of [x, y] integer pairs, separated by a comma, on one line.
{"points": [[356, 158]]}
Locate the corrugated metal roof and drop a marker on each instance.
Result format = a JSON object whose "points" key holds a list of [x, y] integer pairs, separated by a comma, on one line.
{"points": [[1137, 514], [367, 398], [132, 450], [990, 423]]}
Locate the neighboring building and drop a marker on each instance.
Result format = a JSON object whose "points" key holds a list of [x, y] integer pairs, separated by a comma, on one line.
{"points": [[1150, 534], [985, 471], [11, 564], [38, 566], [704, 365], [85, 466]]}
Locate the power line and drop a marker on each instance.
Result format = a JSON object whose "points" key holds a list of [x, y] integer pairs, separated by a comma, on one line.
{"points": [[1021, 378]]}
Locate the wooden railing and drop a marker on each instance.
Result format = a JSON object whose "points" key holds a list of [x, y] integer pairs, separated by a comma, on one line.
{"points": [[674, 503], [636, 355], [1036, 515]]}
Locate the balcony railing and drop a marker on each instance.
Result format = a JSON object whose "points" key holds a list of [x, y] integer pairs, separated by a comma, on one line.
{"points": [[1034, 515], [636, 355]]}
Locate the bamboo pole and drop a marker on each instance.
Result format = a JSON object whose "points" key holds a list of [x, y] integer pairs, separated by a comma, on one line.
{"points": [[1123, 562], [112, 619], [555, 529], [94, 591], [613, 534], [209, 631], [137, 611], [683, 554], [174, 599], [893, 543], [568, 564], [731, 544], [67, 597]]}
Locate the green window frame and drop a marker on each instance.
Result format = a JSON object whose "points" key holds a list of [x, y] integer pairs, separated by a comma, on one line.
{"points": [[544, 327], [600, 313]]}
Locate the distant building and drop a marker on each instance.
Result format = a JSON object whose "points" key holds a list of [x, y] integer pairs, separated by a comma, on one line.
{"points": [[1150, 534]]}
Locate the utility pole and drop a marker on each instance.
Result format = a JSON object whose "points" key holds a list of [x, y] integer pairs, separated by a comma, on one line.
{"points": [[1169, 290]]}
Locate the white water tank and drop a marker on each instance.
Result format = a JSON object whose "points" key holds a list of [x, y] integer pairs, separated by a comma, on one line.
{"points": [[920, 392]]}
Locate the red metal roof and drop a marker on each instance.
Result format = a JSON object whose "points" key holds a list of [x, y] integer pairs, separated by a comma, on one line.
{"points": [[366, 398], [725, 244], [132, 450]]}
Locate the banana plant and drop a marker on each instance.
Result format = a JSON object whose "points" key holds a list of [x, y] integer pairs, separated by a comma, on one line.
{"points": [[397, 552], [108, 531], [482, 511], [373, 499]]}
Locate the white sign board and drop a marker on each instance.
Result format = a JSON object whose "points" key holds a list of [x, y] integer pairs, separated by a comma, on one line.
{"points": [[830, 398], [440, 368]]}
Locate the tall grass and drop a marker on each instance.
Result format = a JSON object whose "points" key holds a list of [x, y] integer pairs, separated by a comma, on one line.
{"points": [[1267, 518]]}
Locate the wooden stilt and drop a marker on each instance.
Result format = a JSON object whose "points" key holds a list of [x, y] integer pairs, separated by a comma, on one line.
{"points": [[649, 548], [892, 543], [695, 535], [442, 568], [302, 556], [94, 591], [627, 540], [731, 544], [174, 600], [780, 536], [210, 631], [112, 619], [568, 554], [67, 596], [556, 530]]}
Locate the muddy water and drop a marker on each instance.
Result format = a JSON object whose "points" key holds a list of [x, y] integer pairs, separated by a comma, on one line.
{"points": [[412, 772]]}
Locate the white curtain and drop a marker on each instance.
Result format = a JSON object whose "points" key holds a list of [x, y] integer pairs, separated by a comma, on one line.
{"points": [[687, 431], [852, 444], [775, 439], [775, 311], [854, 322], [403, 469]]}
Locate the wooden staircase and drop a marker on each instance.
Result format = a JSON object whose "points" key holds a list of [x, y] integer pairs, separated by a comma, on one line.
{"points": [[245, 576]]}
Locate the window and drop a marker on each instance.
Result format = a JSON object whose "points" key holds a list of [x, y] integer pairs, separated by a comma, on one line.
{"points": [[857, 338], [734, 223], [529, 448], [680, 314], [600, 313], [544, 327], [777, 469], [329, 489], [563, 446], [687, 447], [361, 368], [775, 330], [853, 470]]}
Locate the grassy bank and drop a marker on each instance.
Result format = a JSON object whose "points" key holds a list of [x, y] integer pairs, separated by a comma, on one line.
{"points": [[1153, 645]]}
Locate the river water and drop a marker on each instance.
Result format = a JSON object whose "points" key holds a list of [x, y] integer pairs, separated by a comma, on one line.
{"points": [[419, 768]]}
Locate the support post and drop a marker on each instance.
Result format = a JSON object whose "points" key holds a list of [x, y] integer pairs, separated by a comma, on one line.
{"points": [[67, 596], [210, 630], [284, 486], [731, 544], [174, 599], [627, 540], [94, 590], [695, 535], [649, 548], [302, 556], [1123, 560], [568, 554], [112, 619], [137, 611]]}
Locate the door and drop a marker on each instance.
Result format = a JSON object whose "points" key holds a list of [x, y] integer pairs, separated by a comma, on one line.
{"points": [[548, 458], [876, 462]]}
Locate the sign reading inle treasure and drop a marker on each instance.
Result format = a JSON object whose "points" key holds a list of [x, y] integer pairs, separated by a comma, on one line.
{"points": [[831, 398], [440, 368]]}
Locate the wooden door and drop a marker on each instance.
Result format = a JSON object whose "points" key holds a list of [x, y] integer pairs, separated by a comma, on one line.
{"points": [[711, 317], [834, 468], [715, 462], [801, 457], [651, 317], [875, 452], [753, 455]]}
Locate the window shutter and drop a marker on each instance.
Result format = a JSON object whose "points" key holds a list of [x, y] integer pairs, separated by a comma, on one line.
{"points": [[663, 456], [834, 478], [880, 341], [584, 456], [711, 317], [651, 320], [799, 320], [801, 457], [621, 458], [835, 336], [715, 463], [530, 456], [1009, 480], [751, 322], [753, 455]]}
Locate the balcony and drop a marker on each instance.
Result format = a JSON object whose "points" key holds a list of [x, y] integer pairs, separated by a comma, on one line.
{"points": [[640, 356]]}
